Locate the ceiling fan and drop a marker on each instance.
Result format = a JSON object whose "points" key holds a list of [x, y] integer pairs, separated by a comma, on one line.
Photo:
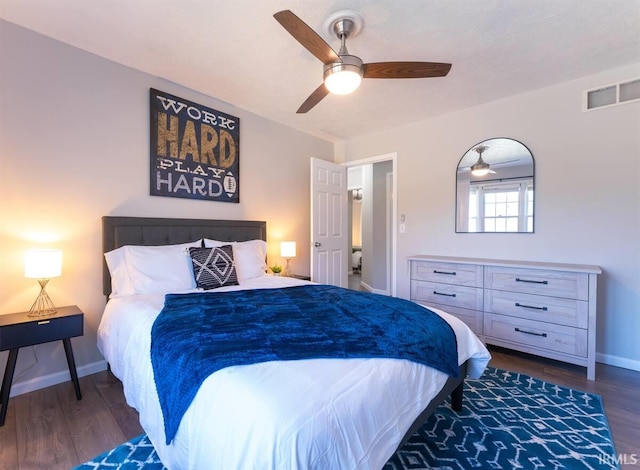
{"points": [[480, 167], [343, 71]]}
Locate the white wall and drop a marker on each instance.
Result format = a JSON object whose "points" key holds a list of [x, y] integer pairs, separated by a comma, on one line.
{"points": [[74, 146], [380, 239], [587, 206]]}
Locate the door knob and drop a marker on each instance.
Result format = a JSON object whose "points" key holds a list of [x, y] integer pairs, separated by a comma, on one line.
{"points": [[317, 244]]}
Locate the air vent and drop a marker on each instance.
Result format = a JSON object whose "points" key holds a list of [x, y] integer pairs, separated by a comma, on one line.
{"points": [[611, 95]]}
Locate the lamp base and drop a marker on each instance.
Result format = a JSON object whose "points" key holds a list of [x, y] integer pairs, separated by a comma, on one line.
{"points": [[43, 305], [287, 270]]}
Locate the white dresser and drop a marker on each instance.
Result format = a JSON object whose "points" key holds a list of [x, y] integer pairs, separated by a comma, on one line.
{"points": [[548, 309]]}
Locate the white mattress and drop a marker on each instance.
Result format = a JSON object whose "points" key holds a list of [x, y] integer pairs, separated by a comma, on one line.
{"points": [[308, 414]]}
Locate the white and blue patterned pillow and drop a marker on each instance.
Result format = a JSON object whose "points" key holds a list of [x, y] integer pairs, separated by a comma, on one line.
{"points": [[214, 267]]}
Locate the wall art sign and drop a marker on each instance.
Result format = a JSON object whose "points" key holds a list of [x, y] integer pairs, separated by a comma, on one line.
{"points": [[195, 150]]}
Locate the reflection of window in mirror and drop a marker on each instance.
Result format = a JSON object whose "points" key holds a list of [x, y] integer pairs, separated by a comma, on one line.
{"points": [[501, 207], [495, 188]]}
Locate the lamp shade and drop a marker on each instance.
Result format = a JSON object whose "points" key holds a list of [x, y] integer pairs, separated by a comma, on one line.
{"points": [[288, 249], [342, 78], [343, 83], [480, 171], [42, 264]]}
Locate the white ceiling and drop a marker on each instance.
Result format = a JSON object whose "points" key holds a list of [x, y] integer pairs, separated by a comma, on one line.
{"points": [[235, 51]]}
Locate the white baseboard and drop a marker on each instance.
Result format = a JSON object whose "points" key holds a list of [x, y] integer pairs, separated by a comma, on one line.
{"points": [[48, 380], [618, 361], [368, 288]]}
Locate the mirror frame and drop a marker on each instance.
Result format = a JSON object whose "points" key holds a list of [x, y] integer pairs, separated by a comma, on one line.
{"points": [[472, 155]]}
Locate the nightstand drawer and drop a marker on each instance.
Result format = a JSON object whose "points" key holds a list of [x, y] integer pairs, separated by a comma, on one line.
{"points": [[40, 330]]}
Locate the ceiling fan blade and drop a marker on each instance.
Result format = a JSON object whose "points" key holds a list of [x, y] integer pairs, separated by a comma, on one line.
{"points": [[307, 37], [504, 162], [405, 69], [314, 99]]}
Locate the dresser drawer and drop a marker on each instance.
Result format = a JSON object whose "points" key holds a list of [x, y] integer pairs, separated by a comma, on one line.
{"points": [[570, 285], [472, 318], [40, 330], [558, 338], [447, 294], [447, 273], [556, 310]]}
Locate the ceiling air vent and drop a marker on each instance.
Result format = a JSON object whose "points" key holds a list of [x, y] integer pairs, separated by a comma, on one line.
{"points": [[611, 95]]}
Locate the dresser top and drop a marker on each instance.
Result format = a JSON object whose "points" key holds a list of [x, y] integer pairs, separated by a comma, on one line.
{"points": [[580, 268]]}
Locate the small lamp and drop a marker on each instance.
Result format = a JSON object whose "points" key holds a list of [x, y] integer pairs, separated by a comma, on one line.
{"points": [[287, 251], [42, 265]]}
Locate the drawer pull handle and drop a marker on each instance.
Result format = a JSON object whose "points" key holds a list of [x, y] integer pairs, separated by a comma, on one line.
{"points": [[451, 273], [443, 293], [544, 335], [544, 309], [44, 322], [531, 281]]}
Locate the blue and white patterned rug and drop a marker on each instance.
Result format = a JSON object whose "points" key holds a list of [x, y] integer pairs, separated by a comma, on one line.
{"points": [[508, 421]]}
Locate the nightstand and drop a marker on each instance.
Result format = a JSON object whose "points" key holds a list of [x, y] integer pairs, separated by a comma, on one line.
{"points": [[18, 330], [300, 276]]}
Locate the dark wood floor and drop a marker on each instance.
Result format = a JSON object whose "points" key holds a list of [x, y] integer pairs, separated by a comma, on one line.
{"points": [[50, 429]]}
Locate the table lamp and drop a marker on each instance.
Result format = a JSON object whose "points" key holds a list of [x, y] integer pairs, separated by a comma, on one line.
{"points": [[287, 251], [42, 265]]}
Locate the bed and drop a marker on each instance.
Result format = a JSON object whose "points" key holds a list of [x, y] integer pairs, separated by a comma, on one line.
{"points": [[319, 413]]}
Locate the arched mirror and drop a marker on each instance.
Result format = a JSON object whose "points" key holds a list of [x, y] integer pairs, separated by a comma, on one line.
{"points": [[494, 188]]}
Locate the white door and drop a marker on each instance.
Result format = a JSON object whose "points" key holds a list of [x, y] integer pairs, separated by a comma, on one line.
{"points": [[329, 236]]}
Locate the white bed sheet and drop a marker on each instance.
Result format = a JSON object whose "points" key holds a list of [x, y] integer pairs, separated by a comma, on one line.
{"points": [[308, 414]]}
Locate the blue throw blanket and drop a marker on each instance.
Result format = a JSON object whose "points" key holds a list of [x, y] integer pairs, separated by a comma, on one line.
{"points": [[197, 334]]}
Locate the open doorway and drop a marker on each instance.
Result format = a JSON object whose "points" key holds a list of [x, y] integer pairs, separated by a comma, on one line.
{"points": [[355, 228], [371, 185]]}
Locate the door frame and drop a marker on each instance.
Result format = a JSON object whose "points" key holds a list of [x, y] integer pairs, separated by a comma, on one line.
{"points": [[393, 157]]}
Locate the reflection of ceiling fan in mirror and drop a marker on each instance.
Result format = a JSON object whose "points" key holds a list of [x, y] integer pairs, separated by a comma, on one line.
{"points": [[343, 72], [482, 168]]}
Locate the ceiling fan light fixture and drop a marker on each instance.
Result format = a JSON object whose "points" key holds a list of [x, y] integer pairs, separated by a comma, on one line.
{"points": [[342, 78], [480, 168]]}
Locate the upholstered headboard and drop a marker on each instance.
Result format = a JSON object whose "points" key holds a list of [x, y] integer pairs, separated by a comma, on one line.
{"points": [[120, 231]]}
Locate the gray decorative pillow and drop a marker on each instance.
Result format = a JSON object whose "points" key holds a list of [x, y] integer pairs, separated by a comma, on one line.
{"points": [[213, 267]]}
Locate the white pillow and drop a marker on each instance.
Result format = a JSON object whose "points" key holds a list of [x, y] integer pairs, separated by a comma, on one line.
{"points": [[249, 257], [118, 269], [148, 269]]}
